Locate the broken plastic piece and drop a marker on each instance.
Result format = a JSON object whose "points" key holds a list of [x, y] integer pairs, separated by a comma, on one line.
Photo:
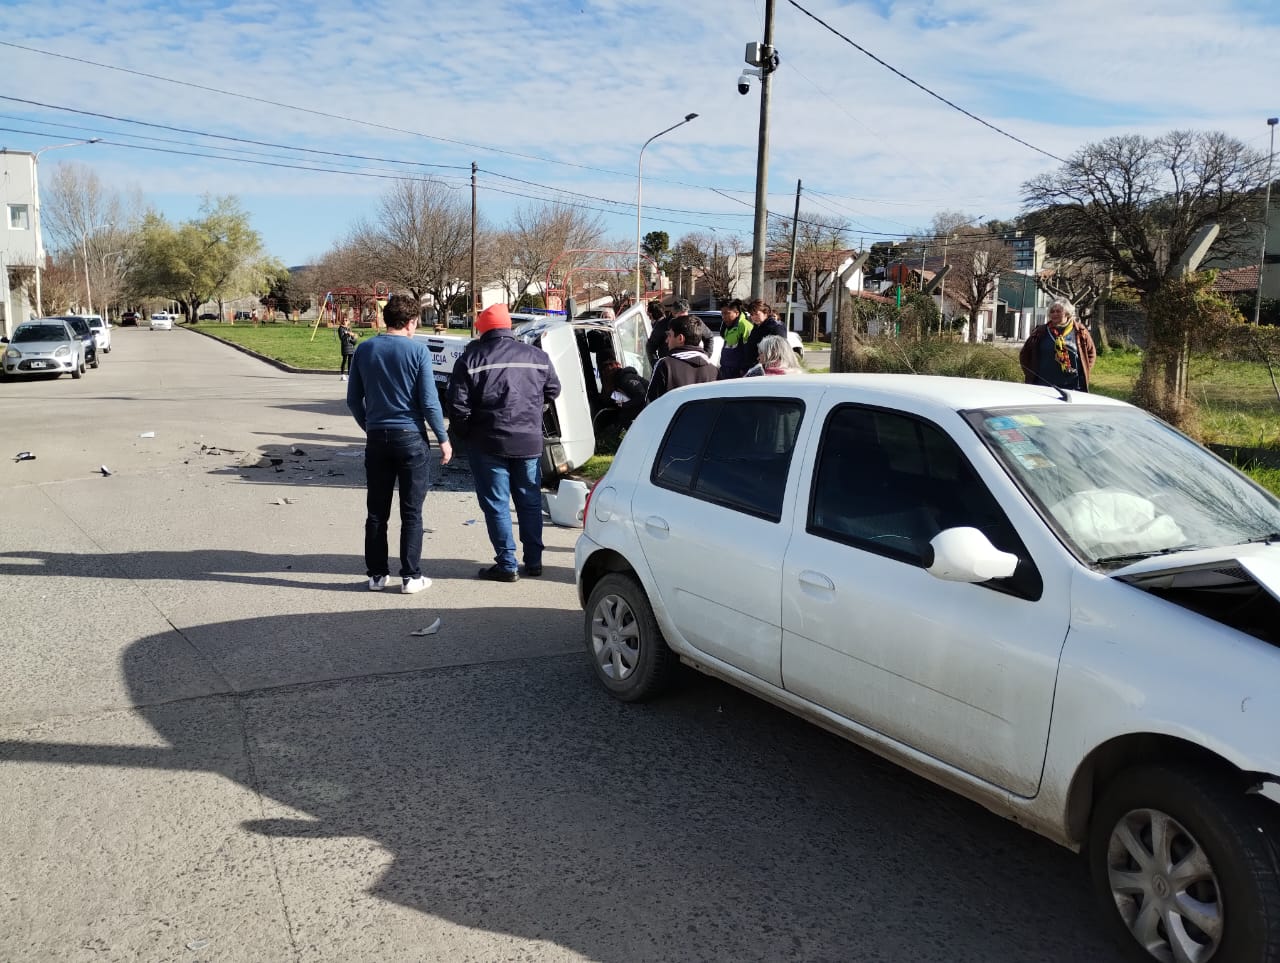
{"points": [[147, 434], [283, 501], [106, 472], [197, 944], [298, 451], [24, 456], [431, 629], [469, 521]]}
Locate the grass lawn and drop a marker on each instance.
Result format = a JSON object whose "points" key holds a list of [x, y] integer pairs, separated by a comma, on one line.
{"points": [[290, 343]]}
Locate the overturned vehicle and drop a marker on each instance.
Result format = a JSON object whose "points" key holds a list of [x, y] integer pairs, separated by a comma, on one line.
{"points": [[593, 358]]}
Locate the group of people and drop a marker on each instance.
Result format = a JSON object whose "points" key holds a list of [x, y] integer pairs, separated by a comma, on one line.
{"points": [[497, 393], [755, 343]]}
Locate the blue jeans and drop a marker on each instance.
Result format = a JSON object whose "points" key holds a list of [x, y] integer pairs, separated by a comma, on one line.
{"points": [[499, 481], [394, 457]]}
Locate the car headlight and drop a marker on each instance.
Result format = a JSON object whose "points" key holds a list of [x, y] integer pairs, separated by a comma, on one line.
{"points": [[13, 354], [63, 352]]}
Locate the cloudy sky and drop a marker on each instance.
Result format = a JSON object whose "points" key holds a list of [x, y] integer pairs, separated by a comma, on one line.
{"points": [[552, 99]]}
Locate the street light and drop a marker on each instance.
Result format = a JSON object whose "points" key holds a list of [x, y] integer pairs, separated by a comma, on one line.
{"points": [[639, 188], [1266, 213], [35, 193]]}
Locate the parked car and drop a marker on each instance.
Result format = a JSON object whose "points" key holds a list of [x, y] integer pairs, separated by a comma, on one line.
{"points": [[129, 319], [81, 327], [208, 316], [715, 321], [1052, 603], [243, 316], [43, 346], [161, 321], [101, 332]]}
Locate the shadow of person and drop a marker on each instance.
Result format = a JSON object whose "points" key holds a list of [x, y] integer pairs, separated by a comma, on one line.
{"points": [[505, 792]]}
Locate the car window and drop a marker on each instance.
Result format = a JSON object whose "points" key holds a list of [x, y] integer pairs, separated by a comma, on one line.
{"points": [[733, 452], [31, 333], [887, 483], [79, 325], [632, 337]]}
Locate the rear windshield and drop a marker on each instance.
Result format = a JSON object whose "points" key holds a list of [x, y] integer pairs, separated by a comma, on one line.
{"points": [[29, 333]]}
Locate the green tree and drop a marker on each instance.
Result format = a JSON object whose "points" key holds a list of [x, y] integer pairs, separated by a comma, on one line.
{"points": [[215, 256]]}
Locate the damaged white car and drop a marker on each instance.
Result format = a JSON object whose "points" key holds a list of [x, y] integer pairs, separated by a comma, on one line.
{"points": [[1050, 602]]}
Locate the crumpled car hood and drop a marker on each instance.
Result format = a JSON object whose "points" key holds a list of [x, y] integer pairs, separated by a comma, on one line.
{"points": [[1208, 568]]}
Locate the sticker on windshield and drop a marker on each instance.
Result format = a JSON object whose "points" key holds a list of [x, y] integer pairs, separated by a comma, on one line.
{"points": [[995, 424], [1033, 461], [1010, 435], [1031, 421]]}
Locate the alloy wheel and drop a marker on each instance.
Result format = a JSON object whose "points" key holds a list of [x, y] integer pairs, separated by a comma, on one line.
{"points": [[615, 638]]}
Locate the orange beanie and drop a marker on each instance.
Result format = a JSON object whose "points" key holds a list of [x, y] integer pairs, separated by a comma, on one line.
{"points": [[494, 317]]}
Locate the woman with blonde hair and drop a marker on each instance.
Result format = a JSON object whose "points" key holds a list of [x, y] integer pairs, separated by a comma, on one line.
{"points": [[776, 358]]}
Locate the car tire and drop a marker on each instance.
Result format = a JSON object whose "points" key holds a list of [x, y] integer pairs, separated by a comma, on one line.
{"points": [[628, 654], [1206, 821], [78, 371], [95, 362]]}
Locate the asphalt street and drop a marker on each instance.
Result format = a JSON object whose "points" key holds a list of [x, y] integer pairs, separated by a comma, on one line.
{"points": [[216, 744]]}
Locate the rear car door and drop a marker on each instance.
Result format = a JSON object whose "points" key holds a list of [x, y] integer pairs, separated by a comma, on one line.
{"points": [[713, 521]]}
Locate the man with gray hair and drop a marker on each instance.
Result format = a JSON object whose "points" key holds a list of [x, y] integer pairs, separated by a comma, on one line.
{"points": [[657, 343]]}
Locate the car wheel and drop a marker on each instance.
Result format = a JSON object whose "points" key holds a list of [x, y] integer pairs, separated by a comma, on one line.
{"points": [[95, 362], [627, 651], [78, 371], [1184, 869]]}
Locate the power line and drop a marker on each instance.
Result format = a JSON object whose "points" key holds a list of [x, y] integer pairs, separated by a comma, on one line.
{"points": [[916, 83]]}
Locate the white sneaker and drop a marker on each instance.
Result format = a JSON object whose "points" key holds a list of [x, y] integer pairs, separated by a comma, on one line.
{"points": [[412, 585], [344, 378], [377, 584]]}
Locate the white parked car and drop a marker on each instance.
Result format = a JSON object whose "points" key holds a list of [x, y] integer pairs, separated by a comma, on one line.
{"points": [[162, 321], [101, 332], [1051, 603]]}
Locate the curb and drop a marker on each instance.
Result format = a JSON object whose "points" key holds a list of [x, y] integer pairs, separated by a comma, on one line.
{"points": [[261, 357]]}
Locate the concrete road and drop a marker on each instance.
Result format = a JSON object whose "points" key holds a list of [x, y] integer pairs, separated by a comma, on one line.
{"points": [[216, 744]]}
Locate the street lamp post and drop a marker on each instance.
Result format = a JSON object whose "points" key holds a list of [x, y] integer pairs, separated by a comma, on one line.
{"points": [[35, 194], [1266, 214], [640, 187]]}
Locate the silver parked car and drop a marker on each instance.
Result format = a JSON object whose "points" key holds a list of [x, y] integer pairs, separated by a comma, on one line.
{"points": [[44, 346], [1050, 602]]}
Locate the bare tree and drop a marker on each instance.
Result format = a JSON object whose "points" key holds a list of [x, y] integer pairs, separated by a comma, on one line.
{"points": [[976, 261], [721, 272], [1136, 204], [541, 233], [820, 247]]}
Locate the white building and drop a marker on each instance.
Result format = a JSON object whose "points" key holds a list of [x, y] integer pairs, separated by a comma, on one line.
{"points": [[20, 241]]}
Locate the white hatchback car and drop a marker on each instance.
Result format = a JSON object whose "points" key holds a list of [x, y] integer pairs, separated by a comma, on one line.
{"points": [[1052, 603], [101, 332], [162, 321]]}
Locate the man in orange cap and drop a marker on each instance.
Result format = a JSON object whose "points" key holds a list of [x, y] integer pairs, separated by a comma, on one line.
{"points": [[497, 392]]}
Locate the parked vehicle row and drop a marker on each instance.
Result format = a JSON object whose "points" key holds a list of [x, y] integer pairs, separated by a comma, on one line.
{"points": [[62, 344], [1052, 603]]}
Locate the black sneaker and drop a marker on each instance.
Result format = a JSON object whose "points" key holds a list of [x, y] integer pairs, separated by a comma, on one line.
{"points": [[533, 571], [495, 574]]}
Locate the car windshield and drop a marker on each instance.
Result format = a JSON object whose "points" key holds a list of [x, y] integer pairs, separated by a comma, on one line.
{"points": [[1121, 485], [30, 333]]}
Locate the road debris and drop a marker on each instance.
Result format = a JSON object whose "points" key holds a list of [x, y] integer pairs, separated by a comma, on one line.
{"points": [[106, 472], [24, 456], [147, 434], [283, 501], [298, 451], [431, 629]]}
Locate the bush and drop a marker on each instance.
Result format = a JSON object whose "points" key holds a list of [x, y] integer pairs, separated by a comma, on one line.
{"points": [[934, 356]]}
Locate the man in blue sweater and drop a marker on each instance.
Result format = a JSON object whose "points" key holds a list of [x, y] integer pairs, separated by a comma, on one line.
{"points": [[392, 395], [497, 393]]}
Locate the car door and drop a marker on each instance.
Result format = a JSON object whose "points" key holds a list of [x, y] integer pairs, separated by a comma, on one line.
{"points": [[962, 672], [713, 521]]}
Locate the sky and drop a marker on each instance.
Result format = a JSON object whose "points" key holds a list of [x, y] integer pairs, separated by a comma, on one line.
{"points": [[553, 100]]}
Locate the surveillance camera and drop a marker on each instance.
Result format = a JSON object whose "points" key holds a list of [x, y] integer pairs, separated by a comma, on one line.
{"points": [[744, 84]]}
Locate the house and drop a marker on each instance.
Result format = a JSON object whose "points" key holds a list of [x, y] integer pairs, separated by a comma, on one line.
{"points": [[21, 249], [823, 267]]}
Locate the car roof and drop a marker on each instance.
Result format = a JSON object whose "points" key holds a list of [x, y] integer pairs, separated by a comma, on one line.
{"points": [[926, 391]]}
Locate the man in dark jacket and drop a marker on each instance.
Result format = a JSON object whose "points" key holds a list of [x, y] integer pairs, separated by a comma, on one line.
{"points": [[686, 363], [392, 396], [497, 393], [657, 343], [763, 323]]}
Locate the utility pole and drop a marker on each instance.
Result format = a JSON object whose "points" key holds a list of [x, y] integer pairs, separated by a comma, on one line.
{"points": [[768, 62], [1266, 216], [473, 296], [791, 276]]}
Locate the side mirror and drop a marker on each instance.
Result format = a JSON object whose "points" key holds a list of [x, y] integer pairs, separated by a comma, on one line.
{"points": [[967, 555]]}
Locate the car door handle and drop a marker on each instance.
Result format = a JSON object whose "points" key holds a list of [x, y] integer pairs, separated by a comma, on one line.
{"points": [[657, 525], [817, 580]]}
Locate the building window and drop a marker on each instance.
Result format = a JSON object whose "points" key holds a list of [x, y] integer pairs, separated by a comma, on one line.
{"points": [[19, 218]]}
